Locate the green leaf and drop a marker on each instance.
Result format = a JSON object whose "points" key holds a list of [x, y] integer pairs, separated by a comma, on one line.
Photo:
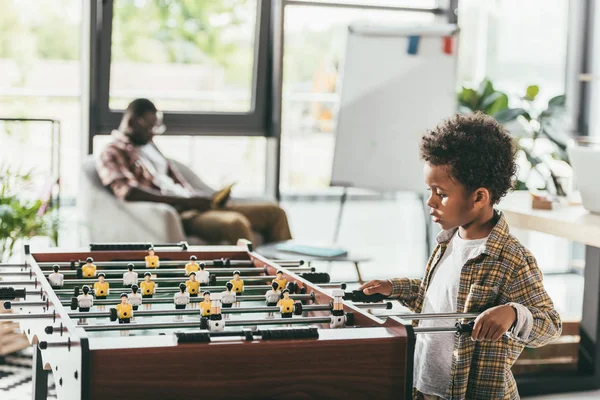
{"points": [[485, 88], [469, 98], [557, 101], [532, 92], [499, 104], [510, 114], [488, 101]]}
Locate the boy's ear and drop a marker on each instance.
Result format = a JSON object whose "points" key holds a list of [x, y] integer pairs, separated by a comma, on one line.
{"points": [[481, 197]]}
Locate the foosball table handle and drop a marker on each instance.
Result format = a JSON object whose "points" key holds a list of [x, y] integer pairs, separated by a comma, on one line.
{"points": [[10, 293], [358, 296], [464, 328]]}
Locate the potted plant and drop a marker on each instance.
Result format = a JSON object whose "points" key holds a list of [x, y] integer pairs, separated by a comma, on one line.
{"points": [[21, 218], [540, 138]]}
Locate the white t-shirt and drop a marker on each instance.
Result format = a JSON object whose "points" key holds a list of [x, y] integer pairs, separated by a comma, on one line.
{"points": [[130, 278], [433, 352], [181, 298], [85, 301], [135, 299], [272, 296], [228, 297], [56, 279], [157, 165], [202, 276]]}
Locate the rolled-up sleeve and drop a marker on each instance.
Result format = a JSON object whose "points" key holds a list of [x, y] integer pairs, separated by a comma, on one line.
{"points": [[115, 173]]}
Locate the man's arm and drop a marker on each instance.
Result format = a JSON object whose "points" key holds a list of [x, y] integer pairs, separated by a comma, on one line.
{"points": [[136, 193]]}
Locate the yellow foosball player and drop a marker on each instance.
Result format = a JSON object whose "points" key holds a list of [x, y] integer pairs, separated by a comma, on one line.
{"points": [[192, 266], [147, 286], [89, 269], [281, 281], [152, 260], [205, 310], [192, 285], [124, 310], [238, 285], [286, 305], [101, 288]]}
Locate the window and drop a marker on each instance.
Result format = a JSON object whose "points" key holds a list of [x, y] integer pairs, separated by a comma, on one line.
{"points": [[203, 63], [39, 78], [189, 56], [314, 45]]}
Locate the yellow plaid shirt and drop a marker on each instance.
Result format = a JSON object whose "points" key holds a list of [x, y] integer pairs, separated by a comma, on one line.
{"points": [[504, 272]]}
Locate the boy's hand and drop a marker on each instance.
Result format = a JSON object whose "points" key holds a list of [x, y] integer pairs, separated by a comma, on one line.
{"points": [[493, 323], [383, 287]]}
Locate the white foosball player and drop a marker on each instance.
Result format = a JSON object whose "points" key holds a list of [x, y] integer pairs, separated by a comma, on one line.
{"points": [[85, 301], [216, 323], [134, 298], [181, 300], [272, 297], [202, 276], [338, 318], [56, 279], [228, 297], [130, 278]]}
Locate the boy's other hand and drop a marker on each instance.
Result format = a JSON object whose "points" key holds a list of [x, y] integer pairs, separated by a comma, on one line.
{"points": [[383, 287], [493, 323]]}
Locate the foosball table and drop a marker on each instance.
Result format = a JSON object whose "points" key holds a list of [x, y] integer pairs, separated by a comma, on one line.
{"points": [[130, 321]]}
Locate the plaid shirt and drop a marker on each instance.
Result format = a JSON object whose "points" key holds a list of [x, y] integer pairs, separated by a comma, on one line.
{"points": [[120, 168], [504, 272]]}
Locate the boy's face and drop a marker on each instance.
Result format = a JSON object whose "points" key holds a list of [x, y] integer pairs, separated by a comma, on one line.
{"points": [[450, 205]]}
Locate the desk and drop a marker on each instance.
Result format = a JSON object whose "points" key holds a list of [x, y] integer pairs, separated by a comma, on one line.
{"points": [[576, 224]]}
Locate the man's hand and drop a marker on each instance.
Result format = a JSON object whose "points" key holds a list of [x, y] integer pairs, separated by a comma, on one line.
{"points": [[221, 198], [378, 286], [493, 323]]}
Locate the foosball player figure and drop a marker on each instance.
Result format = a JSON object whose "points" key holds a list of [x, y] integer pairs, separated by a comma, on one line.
{"points": [[101, 287], [192, 265], [228, 297], [124, 310], [338, 318], [202, 275], [192, 286], [130, 278], [85, 301], [181, 300], [216, 322], [147, 286], [286, 305], [56, 279], [205, 311], [134, 298], [281, 281], [89, 269], [272, 296], [152, 260], [238, 285]]}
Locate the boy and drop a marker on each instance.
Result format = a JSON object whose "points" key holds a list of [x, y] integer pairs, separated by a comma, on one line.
{"points": [[477, 266]]}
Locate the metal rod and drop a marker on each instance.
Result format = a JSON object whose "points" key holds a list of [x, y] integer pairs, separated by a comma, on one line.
{"points": [[332, 285], [416, 316], [387, 305], [13, 265], [195, 312], [9, 317], [436, 11], [171, 271], [88, 281], [17, 273], [172, 289], [19, 283], [179, 325], [175, 263]]}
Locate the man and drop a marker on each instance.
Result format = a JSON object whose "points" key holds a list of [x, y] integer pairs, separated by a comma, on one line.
{"points": [[135, 170]]}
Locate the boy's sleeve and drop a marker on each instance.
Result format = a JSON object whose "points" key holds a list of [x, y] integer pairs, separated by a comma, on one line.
{"points": [[527, 290], [406, 291], [115, 174]]}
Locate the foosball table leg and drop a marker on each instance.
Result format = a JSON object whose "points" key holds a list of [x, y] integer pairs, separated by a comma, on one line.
{"points": [[40, 376]]}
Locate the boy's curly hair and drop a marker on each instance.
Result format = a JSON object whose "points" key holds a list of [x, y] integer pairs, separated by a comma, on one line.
{"points": [[477, 149]]}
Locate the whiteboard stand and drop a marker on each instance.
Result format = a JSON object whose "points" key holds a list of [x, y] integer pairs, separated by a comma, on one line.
{"points": [[338, 224]]}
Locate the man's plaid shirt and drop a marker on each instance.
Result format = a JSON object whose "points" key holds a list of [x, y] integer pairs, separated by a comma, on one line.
{"points": [[505, 272]]}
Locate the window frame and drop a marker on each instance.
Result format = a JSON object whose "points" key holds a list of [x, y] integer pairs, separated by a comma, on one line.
{"points": [[251, 123]]}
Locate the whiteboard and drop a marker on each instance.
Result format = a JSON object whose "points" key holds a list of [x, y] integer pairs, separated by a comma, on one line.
{"points": [[389, 99]]}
